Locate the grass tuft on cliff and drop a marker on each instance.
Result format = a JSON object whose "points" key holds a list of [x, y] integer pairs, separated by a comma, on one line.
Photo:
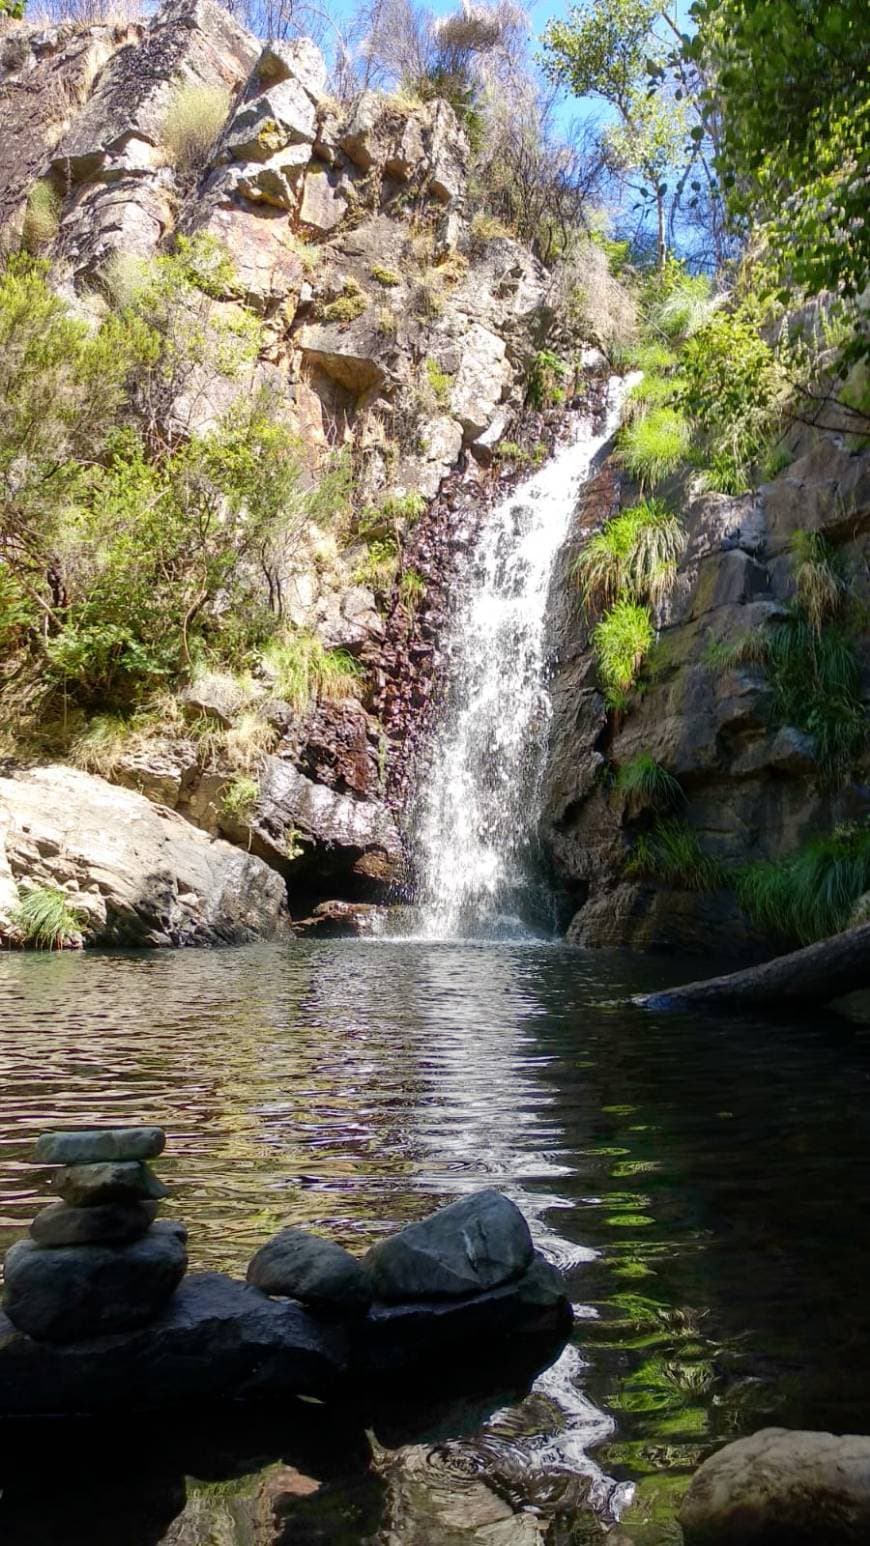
{"points": [[306, 673], [194, 119], [635, 555], [644, 782], [655, 446], [620, 641], [813, 893], [672, 852], [46, 919]]}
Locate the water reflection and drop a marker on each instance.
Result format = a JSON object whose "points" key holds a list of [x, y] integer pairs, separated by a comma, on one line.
{"points": [[703, 1183]]}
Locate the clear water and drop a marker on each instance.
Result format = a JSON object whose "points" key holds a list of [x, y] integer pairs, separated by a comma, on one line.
{"points": [[705, 1184], [479, 801]]}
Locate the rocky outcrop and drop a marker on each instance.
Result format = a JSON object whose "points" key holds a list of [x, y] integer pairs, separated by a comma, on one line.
{"points": [[781, 1485], [754, 789], [134, 873]]}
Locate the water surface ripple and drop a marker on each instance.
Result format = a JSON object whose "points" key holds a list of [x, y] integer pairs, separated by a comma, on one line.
{"points": [[703, 1183]]}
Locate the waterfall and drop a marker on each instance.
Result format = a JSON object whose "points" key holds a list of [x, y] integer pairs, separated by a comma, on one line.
{"points": [[479, 804]]}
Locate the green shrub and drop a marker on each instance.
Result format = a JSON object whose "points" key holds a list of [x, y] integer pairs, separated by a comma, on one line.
{"points": [[732, 392], [547, 374], [652, 357], [655, 446], [439, 382], [378, 569], [672, 852], [385, 276], [652, 391], [239, 798], [404, 509], [678, 304], [813, 893], [773, 461], [46, 918], [620, 641], [644, 782], [635, 553], [305, 672], [41, 216], [194, 119]]}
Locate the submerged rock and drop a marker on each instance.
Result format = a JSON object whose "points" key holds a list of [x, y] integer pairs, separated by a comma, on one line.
{"points": [[81, 1291], [107, 1224], [215, 1340], [806, 1489], [470, 1246], [92, 1146], [306, 1267]]}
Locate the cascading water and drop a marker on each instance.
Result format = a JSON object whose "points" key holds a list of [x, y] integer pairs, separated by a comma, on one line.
{"points": [[480, 801]]}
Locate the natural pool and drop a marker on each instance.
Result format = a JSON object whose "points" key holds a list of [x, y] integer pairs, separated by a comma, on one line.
{"points": [[703, 1182]]}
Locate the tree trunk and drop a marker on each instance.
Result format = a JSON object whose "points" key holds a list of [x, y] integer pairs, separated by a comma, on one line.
{"points": [[805, 978]]}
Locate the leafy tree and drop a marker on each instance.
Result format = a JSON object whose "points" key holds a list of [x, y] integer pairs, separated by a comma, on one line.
{"points": [[13, 8], [787, 91], [605, 48]]}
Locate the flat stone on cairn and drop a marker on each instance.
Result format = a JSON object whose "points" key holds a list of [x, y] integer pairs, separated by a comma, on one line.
{"points": [[96, 1262]]}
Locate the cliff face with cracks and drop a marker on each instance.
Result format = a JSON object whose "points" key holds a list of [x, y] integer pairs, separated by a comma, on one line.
{"points": [[754, 788]]}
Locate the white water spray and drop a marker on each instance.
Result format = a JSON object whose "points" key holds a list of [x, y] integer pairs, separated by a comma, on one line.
{"points": [[480, 801]]}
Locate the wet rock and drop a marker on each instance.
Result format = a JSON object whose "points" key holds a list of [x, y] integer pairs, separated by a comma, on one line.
{"points": [[108, 1224], [316, 1271], [337, 920], [216, 1340], [398, 1337], [477, 1243], [777, 1485], [88, 1146], [342, 831], [86, 1186], [81, 1291]]}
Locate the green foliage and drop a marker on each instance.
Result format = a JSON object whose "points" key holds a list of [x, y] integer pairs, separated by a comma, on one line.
{"points": [[644, 782], [820, 582], [547, 374], [813, 893], [733, 390], [41, 216], [671, 852], [651, 357], [676, 303], [788, 94], [816, 686], [13, 8], [635, 555], [385, 276], [239, 798], [194, 119], [306, 672], [439, 382], [17, 614], [652, 391], [655, 446], [46, 919], [378, 569], [621, 640]]}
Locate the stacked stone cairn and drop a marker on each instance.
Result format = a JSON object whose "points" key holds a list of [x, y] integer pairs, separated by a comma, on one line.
{"points": [[96, 1262]]}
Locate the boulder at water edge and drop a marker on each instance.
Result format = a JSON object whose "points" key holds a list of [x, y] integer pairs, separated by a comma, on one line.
{"points": [[316, 1271], [793, 1488], [60, 1295], [466, 1248]]}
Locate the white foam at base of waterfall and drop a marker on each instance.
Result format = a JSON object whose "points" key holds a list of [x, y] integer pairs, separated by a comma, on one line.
{"points": [[480, 796]]}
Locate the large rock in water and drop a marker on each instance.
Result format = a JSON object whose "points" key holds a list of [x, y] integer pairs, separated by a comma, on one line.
{"points": [[140, 874], [65, 1294], [472, 1245], [216, 1340], [793, 1488], [320, 1272]]}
